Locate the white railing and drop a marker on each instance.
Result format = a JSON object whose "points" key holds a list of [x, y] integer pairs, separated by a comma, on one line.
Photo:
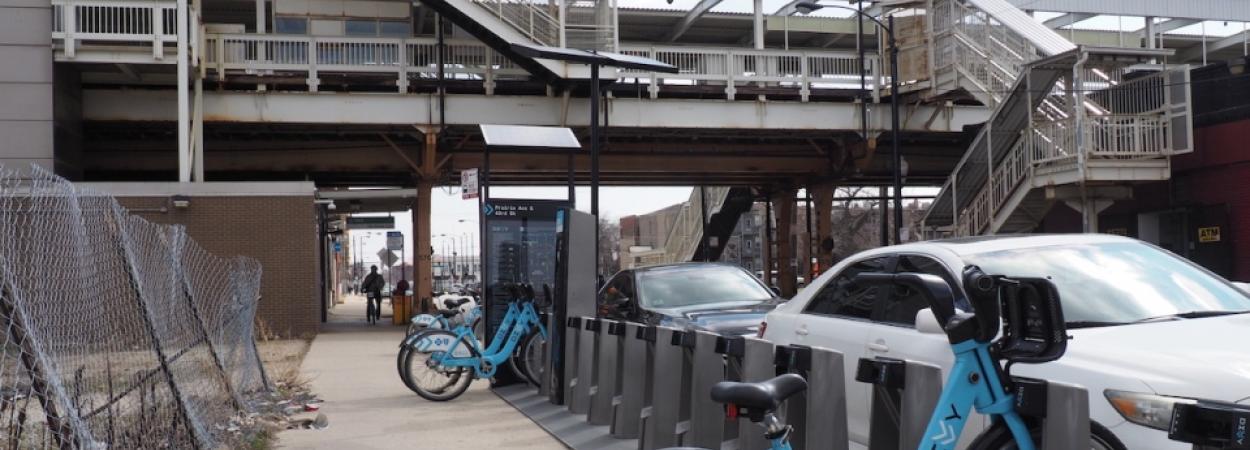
{"points": [[114, 23], [732, 67], [253, 54]]}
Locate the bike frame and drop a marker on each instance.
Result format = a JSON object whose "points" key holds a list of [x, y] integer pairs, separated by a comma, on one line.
{"points": [[974, 381], [517, 322]]}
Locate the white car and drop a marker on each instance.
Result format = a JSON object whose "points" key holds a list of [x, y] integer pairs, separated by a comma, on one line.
{"points": [[1148, 328]]}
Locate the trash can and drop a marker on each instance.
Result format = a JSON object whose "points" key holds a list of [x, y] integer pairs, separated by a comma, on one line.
{"points": [[401, 308]]}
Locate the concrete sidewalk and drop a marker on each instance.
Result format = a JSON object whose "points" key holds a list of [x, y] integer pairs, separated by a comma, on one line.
{"points": [[352, 367]]}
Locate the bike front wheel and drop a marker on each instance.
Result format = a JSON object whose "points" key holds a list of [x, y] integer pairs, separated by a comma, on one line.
{"points": [[431, 380], [999, 437]]}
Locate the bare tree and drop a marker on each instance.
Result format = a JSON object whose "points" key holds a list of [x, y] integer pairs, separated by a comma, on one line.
{"points": [[609, 246]]}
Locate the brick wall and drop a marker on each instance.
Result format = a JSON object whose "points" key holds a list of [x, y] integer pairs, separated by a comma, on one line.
{"points": [[279, 231]]}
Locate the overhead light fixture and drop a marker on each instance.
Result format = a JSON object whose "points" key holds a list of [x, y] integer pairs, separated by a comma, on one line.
{"points": [[180, 201]]}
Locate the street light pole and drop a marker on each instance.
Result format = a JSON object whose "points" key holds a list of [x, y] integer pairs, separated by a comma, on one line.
{"points": [[894, 134], [808, 7]]}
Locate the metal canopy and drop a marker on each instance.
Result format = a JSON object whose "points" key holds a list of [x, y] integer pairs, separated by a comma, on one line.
{"points": [[521, 137], [604, 59]]}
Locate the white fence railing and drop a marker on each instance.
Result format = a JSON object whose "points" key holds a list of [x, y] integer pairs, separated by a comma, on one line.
{"points": [[732, 67], [230, 54], [87, 22]]}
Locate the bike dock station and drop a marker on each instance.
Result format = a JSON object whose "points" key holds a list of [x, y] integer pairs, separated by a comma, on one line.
{"points": [[646, 387]]}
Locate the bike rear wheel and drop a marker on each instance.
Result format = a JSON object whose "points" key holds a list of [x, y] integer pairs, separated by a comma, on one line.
{"points": [[999, 437], [433, 381], [529, 358]]}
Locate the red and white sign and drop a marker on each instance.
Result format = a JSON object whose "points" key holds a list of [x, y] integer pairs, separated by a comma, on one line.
{"points": [[468, 184]]}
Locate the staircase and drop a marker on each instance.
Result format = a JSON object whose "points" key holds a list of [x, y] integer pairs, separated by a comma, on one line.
{"points": [[580, 24], [1069, 123], [685, 239]]}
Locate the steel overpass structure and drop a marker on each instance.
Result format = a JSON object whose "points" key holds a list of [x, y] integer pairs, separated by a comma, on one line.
{"points": [[1006, 111]]}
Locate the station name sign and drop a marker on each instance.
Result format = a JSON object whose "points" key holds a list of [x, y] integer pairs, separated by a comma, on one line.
{"points": [[359, 223]]}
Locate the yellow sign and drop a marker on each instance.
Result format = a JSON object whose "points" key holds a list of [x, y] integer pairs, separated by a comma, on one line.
{"points": [[1209, 234]]}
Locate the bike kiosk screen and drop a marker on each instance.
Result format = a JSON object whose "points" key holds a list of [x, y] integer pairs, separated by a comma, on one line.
{"points": [[520, 248]]}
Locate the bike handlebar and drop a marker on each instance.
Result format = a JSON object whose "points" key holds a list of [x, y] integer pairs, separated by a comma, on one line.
{"points": [[982, 293]]}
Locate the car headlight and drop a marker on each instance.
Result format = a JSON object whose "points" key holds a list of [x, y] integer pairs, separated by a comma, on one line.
{"points": [[1149, 410]]}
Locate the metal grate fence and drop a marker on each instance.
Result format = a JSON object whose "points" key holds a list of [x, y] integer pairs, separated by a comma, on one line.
{"points": [[116, 332]]}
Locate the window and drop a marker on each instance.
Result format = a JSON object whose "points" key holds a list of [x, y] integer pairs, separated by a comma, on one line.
{"points": [[843, 297], [394, 29], [356, 27], [290, 25], [698, 284], [616, 288], [904, 303]]}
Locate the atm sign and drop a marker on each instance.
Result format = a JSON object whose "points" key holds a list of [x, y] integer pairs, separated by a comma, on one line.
{"points": [[1209, 234]]}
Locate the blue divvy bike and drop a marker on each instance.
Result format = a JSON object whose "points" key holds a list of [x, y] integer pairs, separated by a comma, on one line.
{"points": [[440, 364], [1026, 311]]}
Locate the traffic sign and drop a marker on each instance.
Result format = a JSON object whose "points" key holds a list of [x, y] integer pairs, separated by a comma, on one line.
{"points": [[394, 240], [387, 257]]}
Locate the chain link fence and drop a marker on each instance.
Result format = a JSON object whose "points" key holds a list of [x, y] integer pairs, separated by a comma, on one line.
{"points": [[117, 332]]}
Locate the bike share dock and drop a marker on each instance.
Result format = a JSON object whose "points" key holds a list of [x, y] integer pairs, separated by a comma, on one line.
{"points": [[631, 386]]}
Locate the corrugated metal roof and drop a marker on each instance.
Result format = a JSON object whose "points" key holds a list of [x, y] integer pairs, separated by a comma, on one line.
{"points": [[1047, 41]]}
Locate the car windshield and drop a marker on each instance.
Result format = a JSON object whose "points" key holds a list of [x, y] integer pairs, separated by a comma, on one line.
{"points": [[1116, 283], [685, 286]]}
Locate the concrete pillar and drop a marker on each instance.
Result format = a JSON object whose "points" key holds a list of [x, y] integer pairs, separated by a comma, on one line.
{"points": [[783, 203], [26, 94], [758, 24], [822, 205], [422, 259]]}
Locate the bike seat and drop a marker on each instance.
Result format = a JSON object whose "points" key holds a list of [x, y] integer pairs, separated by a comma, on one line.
{"points": [[765, 396], [453, 303]]}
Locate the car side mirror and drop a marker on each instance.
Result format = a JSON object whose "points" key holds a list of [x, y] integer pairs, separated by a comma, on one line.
{"points": [[776, 290], [927, 323]]}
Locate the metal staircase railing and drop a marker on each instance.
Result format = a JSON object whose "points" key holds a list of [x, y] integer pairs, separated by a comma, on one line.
{"points": [[1081, 108], [532, 19], [975, 51], [687, 231], [1136, 125]]}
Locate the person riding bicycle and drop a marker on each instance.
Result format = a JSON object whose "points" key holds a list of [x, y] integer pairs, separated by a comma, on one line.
{"points": [[372, 287]]}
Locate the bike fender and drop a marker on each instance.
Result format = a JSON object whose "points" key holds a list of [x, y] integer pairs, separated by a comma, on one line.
{"points": [[439, 342]]}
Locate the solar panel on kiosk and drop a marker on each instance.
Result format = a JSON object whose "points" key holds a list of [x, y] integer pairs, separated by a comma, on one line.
{"points": [[607, 59], [520, 137]]}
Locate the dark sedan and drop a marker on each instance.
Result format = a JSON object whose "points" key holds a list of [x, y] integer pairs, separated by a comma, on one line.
{"points": [[715, 297]]}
